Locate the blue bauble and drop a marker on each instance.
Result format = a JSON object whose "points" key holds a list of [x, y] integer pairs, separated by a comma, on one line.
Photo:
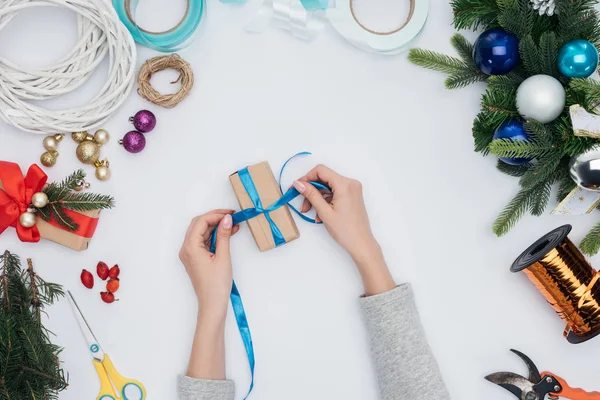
{"points": [[496, 52], [577, 59], [514, 130]]}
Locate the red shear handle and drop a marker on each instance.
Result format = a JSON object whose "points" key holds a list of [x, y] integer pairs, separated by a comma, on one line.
{"points": [[573, 393]]}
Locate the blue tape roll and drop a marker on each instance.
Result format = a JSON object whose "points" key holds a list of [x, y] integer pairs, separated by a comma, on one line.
{"points": [[169, 41]]}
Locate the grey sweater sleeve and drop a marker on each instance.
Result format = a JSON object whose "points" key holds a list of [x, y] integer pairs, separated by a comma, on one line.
{"points": [[405, 366]]}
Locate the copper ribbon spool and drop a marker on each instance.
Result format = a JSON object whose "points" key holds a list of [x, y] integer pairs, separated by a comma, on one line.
{"points": [[567, 281]]}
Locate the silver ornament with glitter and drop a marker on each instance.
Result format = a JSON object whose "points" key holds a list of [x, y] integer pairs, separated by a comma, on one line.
{"points": [[585, 169], [547, 7]]}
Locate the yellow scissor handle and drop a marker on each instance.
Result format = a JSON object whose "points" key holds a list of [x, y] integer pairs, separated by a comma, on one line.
{"points": [[106, 389], [123, 385]]}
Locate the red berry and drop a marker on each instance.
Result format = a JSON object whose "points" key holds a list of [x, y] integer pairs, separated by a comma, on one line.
{"points": [[114, 272], [113, 285], [102, 270], [107, 297], [87, 279]]}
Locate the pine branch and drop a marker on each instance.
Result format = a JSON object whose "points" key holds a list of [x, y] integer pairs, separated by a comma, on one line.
{"points": [[544, 167], [437, 61], [548, 52], [590, 244], [85, 201], [474, 14], [513, 170], [483, 131], [464, 48], [512, 212], [462, 79], [58, 214], [539, 133], [507, 148], [540, 195], [499, 104], [507, 83], [530, 55], [518, 19]]}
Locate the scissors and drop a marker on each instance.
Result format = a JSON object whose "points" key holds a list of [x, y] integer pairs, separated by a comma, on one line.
{"points": [[110, 379]]}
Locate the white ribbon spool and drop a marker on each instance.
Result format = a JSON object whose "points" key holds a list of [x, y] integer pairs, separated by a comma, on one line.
{"points": [[345, 22]]}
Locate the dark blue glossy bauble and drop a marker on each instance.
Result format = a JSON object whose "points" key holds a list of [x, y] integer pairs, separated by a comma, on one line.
{"points": [[514, 130], [496, 52]]}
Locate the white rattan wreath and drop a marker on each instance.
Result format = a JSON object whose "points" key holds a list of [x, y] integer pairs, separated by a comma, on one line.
{"points": [[101, 34]]}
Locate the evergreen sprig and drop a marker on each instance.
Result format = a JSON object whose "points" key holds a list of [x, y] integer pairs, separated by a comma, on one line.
{"points": [[29, 363], [62, 196], [551, 145]]}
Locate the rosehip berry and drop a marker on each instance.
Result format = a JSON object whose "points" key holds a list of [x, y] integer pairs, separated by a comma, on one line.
{"points": [[102, 270], [107, 297], [87, 279], [113, 285], [114, 272]]}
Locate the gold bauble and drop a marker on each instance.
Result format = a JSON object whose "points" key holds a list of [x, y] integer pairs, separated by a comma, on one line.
{"points": [[51, 142], [79, 136], [101, 136], [48, 159], [27, 219], [103, 173], [39, 200], [88, 152]]}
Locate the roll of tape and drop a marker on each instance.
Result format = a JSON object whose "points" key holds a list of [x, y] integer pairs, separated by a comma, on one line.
{"points": [[343, 18], [169, 41]]}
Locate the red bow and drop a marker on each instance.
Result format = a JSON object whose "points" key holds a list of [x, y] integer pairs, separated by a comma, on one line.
{"points": [[16, 197]]}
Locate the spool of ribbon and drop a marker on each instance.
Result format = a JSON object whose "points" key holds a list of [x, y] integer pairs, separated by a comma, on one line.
{"points": [[16, 192], [242, 216], [176, 38], [567, 281]]}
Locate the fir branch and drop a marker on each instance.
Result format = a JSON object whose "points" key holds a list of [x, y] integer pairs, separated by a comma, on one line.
{"points": [[437, 61], [512, 212], [508, 148], [539, 133], [590, 244], [499, 104], [508, 83], [540, 195], [483, 131], [56, 191], [474, 14], [585, 92], [517, 19], [44, 213], [530, 55], [565, 185], [548, 52], [512, 170], [464, 48], [462, 79], [85, 201], [544, 167], [58, 214]]}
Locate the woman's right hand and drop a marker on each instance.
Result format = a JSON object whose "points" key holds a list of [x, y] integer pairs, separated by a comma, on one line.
{"points": [[346, 219]]}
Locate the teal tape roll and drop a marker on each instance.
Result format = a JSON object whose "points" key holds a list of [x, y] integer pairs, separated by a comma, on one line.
{"points": [[169, 41]]}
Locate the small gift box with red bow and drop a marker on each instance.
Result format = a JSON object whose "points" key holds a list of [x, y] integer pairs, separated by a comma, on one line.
{"points": [[60, 212]]}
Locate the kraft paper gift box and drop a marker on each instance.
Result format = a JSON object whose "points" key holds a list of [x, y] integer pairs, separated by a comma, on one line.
{"points": [[269, 192], [64, 237]]}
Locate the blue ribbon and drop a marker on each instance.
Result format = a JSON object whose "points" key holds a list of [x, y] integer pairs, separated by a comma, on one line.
{"points": [[245, 215], [309, 5], [167, 42]]}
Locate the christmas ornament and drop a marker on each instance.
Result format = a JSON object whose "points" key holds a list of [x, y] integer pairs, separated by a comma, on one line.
{"points": [[113, 285], [544, 6], [513, 130], [133, 141], [39, 200], [585, 169], [48, 159], [29, 359], [51, 142], [87, 279], [496, 52], [81, 185], [102, 170], [577, 59], [107, 297], [27, 219], [114, 272], [88, 152], [79, 136], [101, 136], [102, 270], [540, 97], [143, 121]]}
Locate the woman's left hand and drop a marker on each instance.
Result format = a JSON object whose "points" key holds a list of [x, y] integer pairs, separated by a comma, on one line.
{"points": [[210, 273]]}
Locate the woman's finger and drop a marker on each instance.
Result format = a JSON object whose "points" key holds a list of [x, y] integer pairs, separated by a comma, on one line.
{"points": [[323, 174]]}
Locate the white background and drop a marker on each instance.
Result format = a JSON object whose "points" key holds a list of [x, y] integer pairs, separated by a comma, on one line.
{"points": [[432, 201]]}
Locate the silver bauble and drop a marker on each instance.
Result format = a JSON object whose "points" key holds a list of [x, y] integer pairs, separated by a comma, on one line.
{"points": [[541, 97], [101, 136], [39, 200], [585, 169], [27, 219]]}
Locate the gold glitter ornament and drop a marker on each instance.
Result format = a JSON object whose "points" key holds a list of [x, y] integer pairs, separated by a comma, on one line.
{"points": [[101, 136], [51, 142], [48, 159], [102, 170], [79, 136], [88, 152]]}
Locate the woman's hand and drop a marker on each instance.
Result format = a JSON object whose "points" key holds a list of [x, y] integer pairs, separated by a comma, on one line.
{"points": [[210, 273], [346, 219]]}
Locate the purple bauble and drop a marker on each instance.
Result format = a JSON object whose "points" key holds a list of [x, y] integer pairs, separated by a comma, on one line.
{"points": [[144, 121], [133, 141]]}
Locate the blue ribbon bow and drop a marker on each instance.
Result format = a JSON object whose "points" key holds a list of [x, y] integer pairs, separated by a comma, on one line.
{"points": [[245, 215]]}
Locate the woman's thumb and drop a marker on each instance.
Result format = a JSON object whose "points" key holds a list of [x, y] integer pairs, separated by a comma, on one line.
{"points": [[223, 236], [312, 194]]}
